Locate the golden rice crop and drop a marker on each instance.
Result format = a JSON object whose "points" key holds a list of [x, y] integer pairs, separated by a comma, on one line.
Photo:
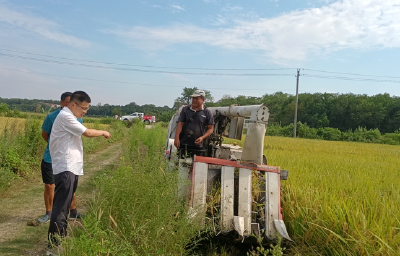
{"points": [[11, 123], [96, 126], [18, 124], [341, 198]]}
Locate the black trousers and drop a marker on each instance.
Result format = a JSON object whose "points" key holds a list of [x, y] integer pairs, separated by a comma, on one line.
{"points": [[66, 184], [184, 152]]}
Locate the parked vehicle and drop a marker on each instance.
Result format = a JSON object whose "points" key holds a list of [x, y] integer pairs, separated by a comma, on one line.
{"points": [[145, 119]]}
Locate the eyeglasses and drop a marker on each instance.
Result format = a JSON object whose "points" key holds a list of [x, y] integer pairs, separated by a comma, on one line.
{"points": [[84, 109]]}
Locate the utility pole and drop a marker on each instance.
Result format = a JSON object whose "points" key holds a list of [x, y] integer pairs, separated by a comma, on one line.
{"points": [[297, 102]]}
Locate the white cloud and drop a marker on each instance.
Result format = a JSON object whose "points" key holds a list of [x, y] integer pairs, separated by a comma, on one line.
{"points": [[210, 1], [177, 8], [345, 24], [218, 20], [232, 8], [39, 26]]}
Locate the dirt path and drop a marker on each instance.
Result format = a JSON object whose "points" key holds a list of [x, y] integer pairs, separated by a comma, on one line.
{"points": [[24, 202]]}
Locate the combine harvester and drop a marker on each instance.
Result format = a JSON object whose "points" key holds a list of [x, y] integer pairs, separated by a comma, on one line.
{"points": [[250, 189]]}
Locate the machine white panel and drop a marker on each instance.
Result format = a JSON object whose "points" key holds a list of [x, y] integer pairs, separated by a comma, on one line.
{"points": [[253, 146], [244, 209], [184, 175], [227, 197], [200, 188], [272, 203]]}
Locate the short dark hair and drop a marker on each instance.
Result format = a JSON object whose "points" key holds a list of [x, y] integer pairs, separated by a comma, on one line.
{"points": [[65, 95], [80, 96]]}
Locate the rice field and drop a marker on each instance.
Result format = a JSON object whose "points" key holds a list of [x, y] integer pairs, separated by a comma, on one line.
{"points": [[341, 198], [18, 124]]}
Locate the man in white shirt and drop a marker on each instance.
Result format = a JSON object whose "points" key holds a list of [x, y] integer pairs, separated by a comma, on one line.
{"points": [[66, 152]]}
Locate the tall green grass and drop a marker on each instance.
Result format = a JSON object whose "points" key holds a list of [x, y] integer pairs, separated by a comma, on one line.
{"points": [[22, 146], [116, 128], [137, 211], [20, 149]]}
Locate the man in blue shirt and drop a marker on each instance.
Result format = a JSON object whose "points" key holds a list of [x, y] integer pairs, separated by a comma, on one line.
{"points": [[47, 170]]}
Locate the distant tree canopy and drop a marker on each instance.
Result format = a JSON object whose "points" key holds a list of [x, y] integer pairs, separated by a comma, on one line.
{"points": [[185, 98], [342, 111]]}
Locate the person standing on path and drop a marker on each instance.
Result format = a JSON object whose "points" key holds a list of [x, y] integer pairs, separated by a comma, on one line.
{"points": [[195, 123], [66, 152], [45, 166]]}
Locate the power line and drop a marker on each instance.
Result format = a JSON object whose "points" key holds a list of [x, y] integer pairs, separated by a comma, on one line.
{"points": [[360, 78], [353, 78], [198, 68], [184, 68], [352, 74], [146, 66], [122, 82], [139, 70]]}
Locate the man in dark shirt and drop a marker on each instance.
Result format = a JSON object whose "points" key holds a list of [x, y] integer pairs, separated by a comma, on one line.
{"points": [[195, 124]]}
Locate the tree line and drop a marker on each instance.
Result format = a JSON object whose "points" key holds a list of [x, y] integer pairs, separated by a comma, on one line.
{"points": [[342, 111]]}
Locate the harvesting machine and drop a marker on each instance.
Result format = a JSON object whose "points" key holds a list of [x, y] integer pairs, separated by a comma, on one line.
{"points": [[246, 189]]}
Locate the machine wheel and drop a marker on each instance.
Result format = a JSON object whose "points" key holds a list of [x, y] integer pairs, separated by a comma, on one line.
{"points": [[147, 122], [126, 121]]}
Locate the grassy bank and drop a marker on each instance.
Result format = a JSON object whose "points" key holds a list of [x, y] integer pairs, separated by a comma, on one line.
{"points": [[22, 146], [136, 211]]}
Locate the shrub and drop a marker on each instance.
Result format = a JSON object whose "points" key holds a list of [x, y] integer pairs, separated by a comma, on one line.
{"points": [[12, 161], [15, 113], [274, 130], [348, 136], [21, 149], [304, 131], [391, 138], [328, 133], [6, 178], [3, 107], [287, 131]]}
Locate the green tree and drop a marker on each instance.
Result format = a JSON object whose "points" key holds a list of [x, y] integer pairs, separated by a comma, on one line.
{"points": [[3, 107], [189, 91], [116, 111], [185, 98]]}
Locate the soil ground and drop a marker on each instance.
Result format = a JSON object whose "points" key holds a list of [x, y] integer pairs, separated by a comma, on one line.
{"points": [[23, 203]]}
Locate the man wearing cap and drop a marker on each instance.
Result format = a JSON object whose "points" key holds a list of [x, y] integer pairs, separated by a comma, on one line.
{"points": [[47, 170], [195, 123]]}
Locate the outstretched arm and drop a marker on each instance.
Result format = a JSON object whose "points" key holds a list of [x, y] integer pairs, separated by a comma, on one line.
{"points": [[96, 133]]}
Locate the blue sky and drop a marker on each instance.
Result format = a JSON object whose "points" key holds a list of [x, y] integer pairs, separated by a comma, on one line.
{"points": [[147, 51]]}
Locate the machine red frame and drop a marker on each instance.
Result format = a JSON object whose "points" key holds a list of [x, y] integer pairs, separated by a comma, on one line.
{"points": [[251, 166]]}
